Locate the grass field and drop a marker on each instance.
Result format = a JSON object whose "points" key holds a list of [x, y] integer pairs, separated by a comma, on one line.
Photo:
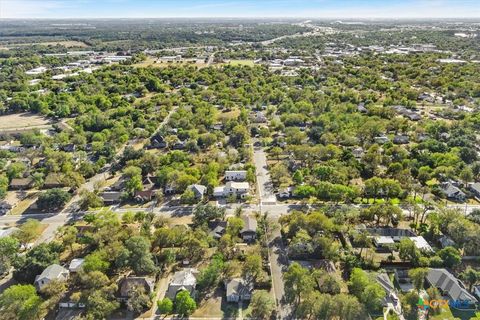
{"points": [[229, 115], [65, 43], [22, 121], [241, 63]]}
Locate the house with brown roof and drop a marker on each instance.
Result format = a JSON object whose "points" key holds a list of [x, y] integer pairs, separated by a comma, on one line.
{"points": [[21, 183], [54, 180]]}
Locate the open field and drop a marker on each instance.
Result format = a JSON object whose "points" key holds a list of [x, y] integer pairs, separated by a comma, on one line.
{"points": [[240, 63], [153, 62], [23, 121], [65, 43]]}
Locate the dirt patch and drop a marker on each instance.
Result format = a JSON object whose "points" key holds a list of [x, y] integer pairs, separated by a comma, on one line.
{"points": [[23, 121], [22, 206]]}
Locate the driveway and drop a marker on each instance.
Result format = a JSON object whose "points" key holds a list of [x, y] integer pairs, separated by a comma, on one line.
{"points": [[264, 183], [278, 265]]}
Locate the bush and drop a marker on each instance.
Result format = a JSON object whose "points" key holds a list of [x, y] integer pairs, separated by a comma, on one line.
{"points": [[53, 199]]}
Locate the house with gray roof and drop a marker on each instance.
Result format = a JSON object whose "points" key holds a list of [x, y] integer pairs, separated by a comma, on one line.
{"points": [[249, 231], [391, 297], [449, 286], [76, 265], [185, 279], [52, 272], [452, 192], [238, 289], [475, 189], [198, 190]]}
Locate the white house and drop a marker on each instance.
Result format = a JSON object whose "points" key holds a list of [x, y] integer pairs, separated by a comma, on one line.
{"points": [[238, 189], [76, 265], [185, 279], [35, 71], [52, 272], [235, 175]]}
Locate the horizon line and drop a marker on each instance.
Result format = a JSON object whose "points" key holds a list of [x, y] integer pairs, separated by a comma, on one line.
{"points": [[247, 17]]}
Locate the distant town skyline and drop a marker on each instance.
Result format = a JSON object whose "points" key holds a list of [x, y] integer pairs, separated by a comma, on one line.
{"points": [[237, 8]]}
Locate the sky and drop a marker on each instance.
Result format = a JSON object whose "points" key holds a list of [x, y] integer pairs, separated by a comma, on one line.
{"points": [[239, 8]]}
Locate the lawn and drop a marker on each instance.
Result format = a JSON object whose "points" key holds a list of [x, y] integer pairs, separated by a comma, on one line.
{"points": [[211, 307], [24, 204], [229, 115], [445, 314], [394, 201]]}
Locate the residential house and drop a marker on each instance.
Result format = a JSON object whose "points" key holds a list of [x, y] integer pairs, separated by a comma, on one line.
{"points": [[249, 231], [52, 272], [144, 195], [199, 190], [381, 139], [76, 265], [179, 145], [21, 183], [237, 189], [384, 238], [391, 299], [185, 279], [400, 139], [170, 189], [475, 189], [217, 227], [413, 116], [361, 108], [259, 117], [446, 241], [126, 285], [217, 126], [238, 289], [286, 193], [158, 142], [293, 61], [235, 175], [69, 147], [147, 193], [358, 153], [54, 180], [111, 197], [452, 192], [449, 286]]}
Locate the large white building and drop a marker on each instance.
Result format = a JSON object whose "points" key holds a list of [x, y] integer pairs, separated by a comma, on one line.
{"points": [[238, 189]]}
